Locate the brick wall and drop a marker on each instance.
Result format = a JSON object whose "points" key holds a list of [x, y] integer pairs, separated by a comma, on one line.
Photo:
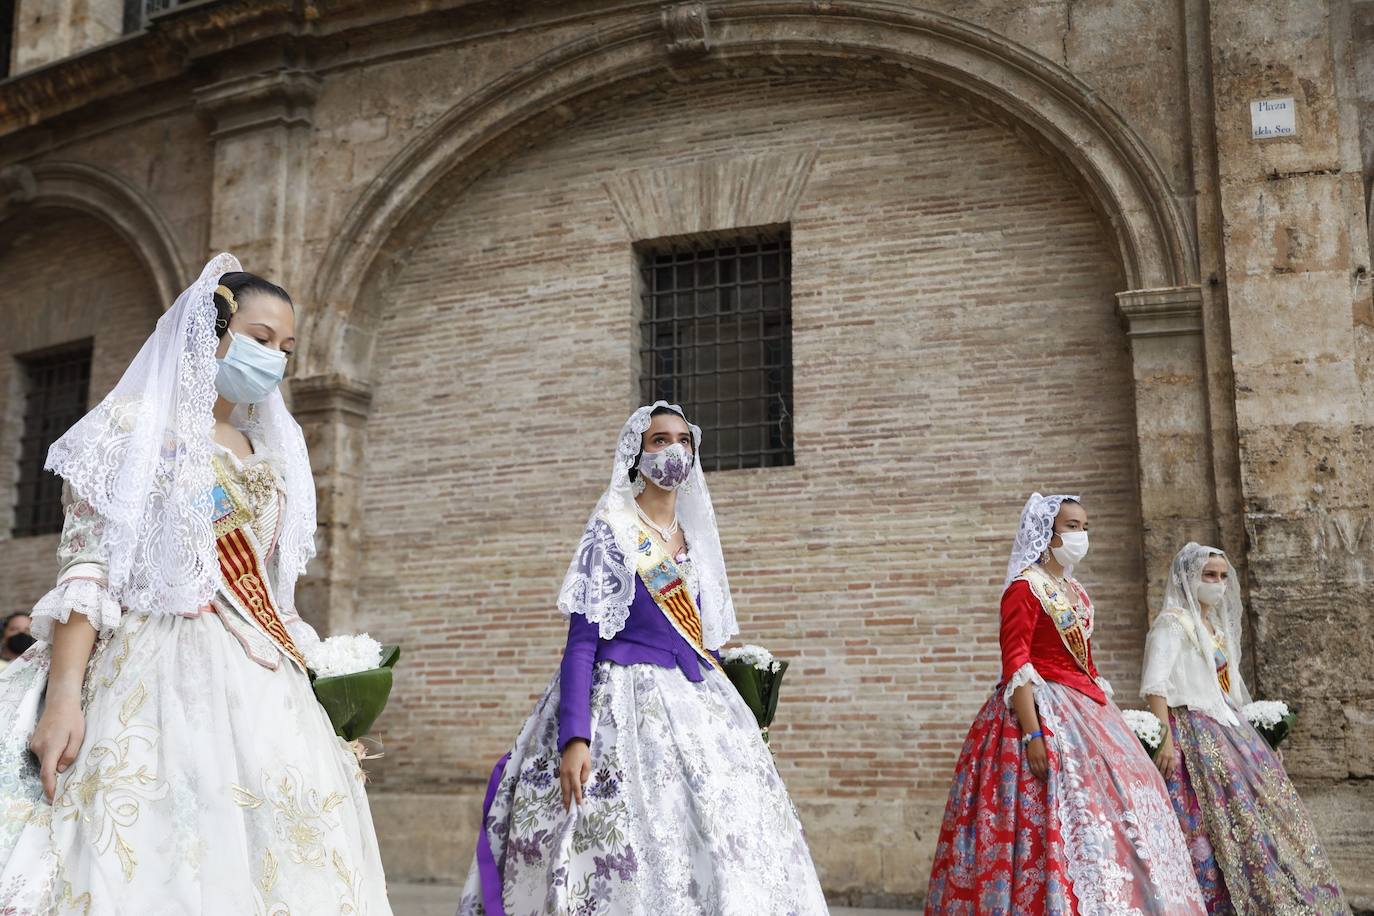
{"points": [[66, 277], [955, 346]]}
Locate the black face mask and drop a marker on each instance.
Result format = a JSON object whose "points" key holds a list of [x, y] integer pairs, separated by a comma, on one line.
{"points": [[19, 643]]}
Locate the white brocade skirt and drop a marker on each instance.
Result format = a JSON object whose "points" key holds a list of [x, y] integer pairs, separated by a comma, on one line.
{"points": [[206, 784], [684, 814]]}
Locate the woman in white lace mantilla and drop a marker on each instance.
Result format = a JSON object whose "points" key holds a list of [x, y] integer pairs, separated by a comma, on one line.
{"points": [[1055, 808], [161, 750], [640, 785], [1254, 848]]}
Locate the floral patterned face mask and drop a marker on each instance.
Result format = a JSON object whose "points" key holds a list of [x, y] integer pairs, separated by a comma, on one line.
{"points": [[668, 469]]}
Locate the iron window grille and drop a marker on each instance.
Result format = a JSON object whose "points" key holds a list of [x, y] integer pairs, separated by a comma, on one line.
{"points": [[7, 15], [138, 13], [56, 384], [716, 337]]}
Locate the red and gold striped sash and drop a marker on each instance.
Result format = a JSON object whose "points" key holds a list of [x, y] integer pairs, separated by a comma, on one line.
{"points": [[239, 564], [241, 569]]}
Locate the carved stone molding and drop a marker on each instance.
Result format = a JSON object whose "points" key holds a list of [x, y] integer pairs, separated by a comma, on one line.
{"points": [[17, 187], [278, 98], [689, 28], [331, 393], [107, 197], [1171, 312], [715, 194]]}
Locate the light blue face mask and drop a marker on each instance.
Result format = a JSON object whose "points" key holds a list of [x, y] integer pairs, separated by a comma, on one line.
{"points": [[249, 372]]}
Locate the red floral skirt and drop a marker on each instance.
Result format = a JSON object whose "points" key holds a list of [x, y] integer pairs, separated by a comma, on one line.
{"points": [[1098, 837]]}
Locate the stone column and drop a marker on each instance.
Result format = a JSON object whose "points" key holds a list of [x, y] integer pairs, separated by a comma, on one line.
{"points": [[333, 411], [260, 125], [1177, 492], [1296, 248]]}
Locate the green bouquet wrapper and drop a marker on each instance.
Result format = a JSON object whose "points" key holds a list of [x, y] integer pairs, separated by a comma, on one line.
{"points": [[354, 701], [759, 689]]}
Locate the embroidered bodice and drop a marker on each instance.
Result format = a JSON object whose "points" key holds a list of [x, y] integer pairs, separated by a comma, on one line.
{"points": [[1189, 666], [82, 559], [1033, 649], [261, 484]]}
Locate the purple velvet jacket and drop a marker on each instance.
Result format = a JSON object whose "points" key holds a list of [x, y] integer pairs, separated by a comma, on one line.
{"points": [[647, 639]]}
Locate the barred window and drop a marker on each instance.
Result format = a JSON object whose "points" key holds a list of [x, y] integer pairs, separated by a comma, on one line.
{"points": [[7, 18], [56, 382], [137, 13], [716, 337]]}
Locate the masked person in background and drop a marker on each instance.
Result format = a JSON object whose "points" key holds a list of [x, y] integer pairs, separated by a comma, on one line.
{"points": [[1253, 845], [1055, 807], [640, 785], [16, 639], [180, 763]]}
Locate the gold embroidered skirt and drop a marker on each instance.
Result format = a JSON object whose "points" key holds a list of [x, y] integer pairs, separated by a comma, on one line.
{"points": [[206, 784]]}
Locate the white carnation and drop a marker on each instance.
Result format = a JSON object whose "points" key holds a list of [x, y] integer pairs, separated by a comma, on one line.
{"points": [[1265, 713], [757, 656], [1146, 726], [343, 655]]}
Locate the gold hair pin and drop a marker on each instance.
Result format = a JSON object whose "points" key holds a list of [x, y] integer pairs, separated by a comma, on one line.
{"points": [[227, 295]]}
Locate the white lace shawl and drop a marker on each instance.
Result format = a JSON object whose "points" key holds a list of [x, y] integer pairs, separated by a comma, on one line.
{"points": [[1034, 534], [1179, 662], [142, 460], [600, 583]]}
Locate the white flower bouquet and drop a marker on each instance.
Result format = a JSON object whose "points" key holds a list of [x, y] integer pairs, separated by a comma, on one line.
{"points": [[1147, 728], [352, 680], [1271, 718], [757, 675]]}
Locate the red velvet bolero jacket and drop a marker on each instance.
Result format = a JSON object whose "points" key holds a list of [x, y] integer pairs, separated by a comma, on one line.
{"points": [[1029, 636]]}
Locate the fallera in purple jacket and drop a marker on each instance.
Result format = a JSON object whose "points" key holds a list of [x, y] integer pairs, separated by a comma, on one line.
{"points": [[647, 639]]}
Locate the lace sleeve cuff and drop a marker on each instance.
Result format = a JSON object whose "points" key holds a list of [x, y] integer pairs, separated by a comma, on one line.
{"points": [[1106, 686], [78, 594], [1026, 674]]}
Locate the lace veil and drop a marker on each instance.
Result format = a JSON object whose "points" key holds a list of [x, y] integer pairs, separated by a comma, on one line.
{"points": [[1184, 576], [141, 459], [1035, 533], [601, 578]]}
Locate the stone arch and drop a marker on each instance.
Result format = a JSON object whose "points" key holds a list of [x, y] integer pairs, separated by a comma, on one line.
{"points": [[1037, 97], [87, 189]]}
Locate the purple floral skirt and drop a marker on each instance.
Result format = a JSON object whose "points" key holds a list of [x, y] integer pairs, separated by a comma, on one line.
{"points": [[684, 813], [1252, 842]]}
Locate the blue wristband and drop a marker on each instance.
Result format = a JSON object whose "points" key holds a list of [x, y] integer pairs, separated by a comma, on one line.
{"points": [[1027, 739]]}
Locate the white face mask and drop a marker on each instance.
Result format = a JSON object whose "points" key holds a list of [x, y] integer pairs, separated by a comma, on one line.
{"points": [[1210, 593], [1073, 551], [249, 371]]}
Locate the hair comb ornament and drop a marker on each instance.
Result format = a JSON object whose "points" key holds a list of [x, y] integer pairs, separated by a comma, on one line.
{"points": [[227, 295]]}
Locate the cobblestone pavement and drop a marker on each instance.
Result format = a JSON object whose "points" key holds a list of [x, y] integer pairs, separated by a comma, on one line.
{"points": [[441, 899]]}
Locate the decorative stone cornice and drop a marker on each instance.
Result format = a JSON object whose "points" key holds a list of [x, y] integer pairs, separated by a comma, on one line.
{"points": [[689, 28], [257, 100], [1171, 312], [318, 395]]}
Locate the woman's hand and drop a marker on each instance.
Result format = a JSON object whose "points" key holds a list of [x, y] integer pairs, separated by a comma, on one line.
{"points": [[575, 770], [57, 740], [1039, 759], [1164, 756]]}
